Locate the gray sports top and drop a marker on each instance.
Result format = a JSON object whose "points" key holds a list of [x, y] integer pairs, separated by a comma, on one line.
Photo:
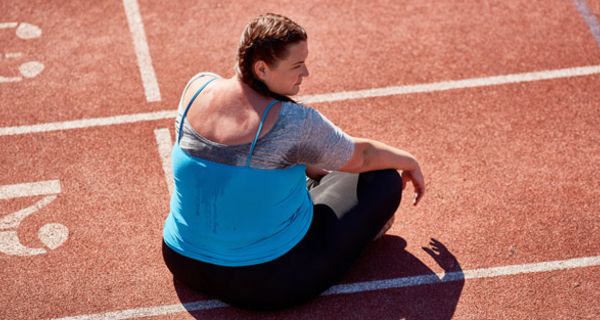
{"points": [[300, 135]]}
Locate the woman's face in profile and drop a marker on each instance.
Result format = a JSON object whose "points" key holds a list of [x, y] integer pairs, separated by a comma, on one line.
{"points": [[286, 76]]}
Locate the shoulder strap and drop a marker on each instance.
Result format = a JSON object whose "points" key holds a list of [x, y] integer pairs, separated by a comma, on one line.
{"points": [[259, 129], [188, 108], [189, 83]]}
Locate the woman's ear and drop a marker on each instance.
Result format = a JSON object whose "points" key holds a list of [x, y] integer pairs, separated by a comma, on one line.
{"points": [[260, 69]]}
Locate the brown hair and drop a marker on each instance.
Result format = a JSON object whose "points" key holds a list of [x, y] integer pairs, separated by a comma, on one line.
{"points": [[266, 38]]}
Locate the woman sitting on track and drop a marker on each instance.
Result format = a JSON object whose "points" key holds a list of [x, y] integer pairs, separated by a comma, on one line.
{"points": [[243, 225]]}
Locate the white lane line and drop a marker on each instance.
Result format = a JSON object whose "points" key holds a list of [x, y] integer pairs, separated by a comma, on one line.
{"points": [[468, 274], [151, 311], [337, 96], [363, 287], [457, 84], [589, 18], [136, 26], [29, 189], [88, 123], [164, 143]]}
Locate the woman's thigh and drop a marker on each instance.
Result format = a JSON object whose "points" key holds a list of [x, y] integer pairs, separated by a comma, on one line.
{"points": [[353, 208]]}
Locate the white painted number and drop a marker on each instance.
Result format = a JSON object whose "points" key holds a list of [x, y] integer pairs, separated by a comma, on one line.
{"points": [[52, 235], [29, 69]]}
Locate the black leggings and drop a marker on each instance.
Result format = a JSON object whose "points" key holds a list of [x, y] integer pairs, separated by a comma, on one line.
{"points": [[349, 211]]}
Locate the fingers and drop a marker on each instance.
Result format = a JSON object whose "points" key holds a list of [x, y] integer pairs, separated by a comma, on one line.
{"points": [[438, 245], [419, 192], [418, 184], [416, 198], [435, 248], [429, 251]]}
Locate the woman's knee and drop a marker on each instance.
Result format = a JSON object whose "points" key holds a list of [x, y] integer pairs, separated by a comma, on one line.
{"points": [[381, 186]]}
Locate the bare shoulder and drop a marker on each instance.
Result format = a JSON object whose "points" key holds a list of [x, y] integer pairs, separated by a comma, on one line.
{"points": [[201, 78], [198, 81]]}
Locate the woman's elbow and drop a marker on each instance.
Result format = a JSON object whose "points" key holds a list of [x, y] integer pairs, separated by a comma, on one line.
{"points": [[359, 162]]}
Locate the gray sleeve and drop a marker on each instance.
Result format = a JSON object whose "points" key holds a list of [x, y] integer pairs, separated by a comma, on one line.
{"points": [[323, 144]]}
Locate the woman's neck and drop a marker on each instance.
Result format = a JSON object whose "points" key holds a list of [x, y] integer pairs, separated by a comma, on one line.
{"points": [[246, 92]]}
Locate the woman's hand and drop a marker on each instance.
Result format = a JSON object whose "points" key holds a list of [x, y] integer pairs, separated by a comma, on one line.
{"points": [[416, 177]]}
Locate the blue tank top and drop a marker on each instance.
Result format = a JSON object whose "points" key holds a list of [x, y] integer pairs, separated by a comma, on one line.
{"points": [[233, 215]]}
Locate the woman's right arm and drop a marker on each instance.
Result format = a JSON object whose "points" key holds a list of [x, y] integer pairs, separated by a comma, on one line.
{"points": [[371, 155]]}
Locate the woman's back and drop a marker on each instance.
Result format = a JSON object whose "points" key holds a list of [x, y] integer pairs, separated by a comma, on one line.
{"points": [[234, 215], [291, 133], [227, 114]]}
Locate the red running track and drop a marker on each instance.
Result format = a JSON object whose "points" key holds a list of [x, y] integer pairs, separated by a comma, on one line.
{"points": [[510, 168]]}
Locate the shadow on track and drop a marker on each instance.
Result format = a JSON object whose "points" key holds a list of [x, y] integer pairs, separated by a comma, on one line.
{"points": [[418, 293]]}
